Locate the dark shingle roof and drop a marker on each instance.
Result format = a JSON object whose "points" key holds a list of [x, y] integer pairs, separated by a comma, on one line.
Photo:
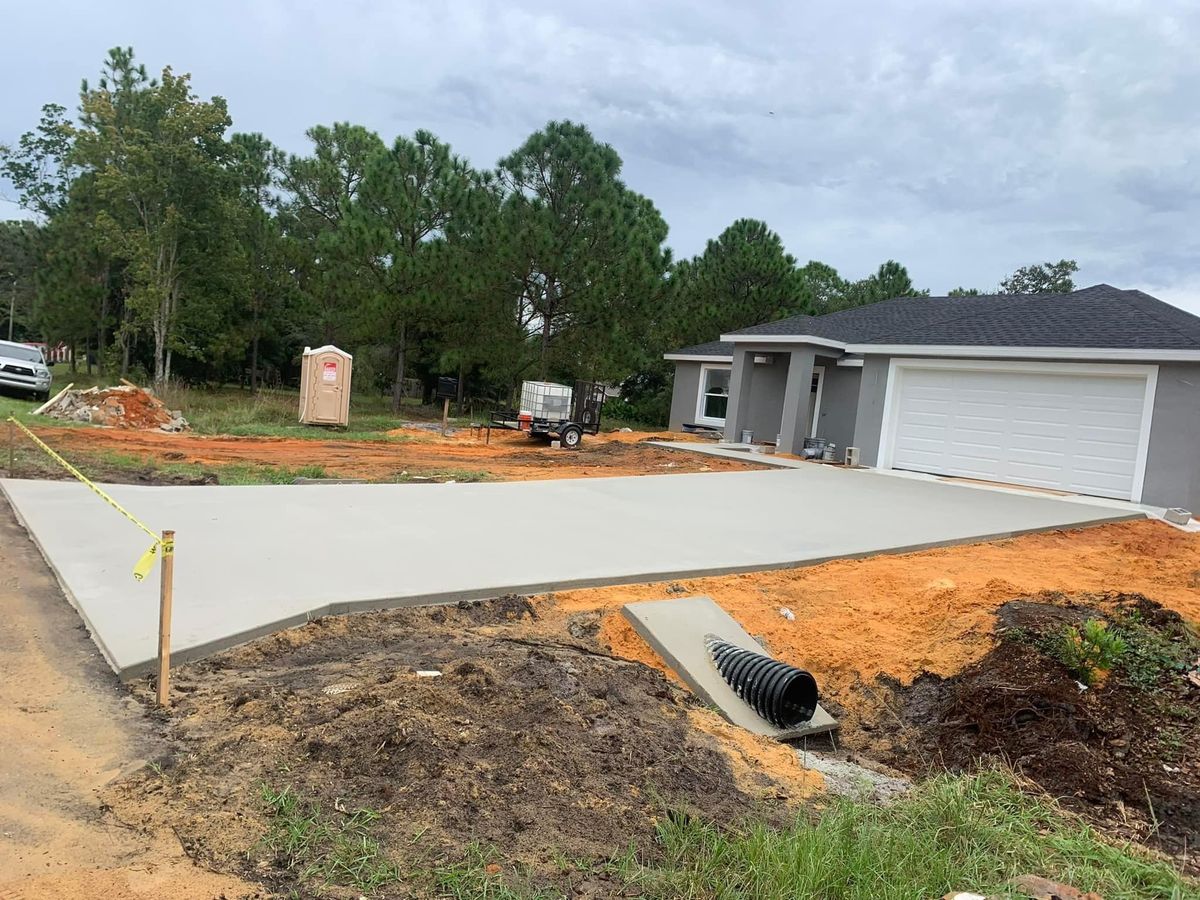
{"points": [[712, 348], [1098, 316]]}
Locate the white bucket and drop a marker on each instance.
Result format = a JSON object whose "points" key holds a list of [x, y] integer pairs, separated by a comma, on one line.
{"points": [[747, 436]]}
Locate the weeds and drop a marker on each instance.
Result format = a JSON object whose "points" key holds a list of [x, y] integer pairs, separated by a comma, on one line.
{"points": [[244, 474], [1152, 653], [1091, 650], [479, 877], [334, 850], [274, 413], [462, 476], [951, 833], [1140, 653]]}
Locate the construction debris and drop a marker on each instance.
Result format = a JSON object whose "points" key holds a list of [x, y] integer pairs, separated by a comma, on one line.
{"points": [[126, 406]]}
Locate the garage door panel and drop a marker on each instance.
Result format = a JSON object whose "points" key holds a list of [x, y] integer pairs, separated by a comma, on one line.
{"points": [[971, 425], [1053, 437], [990, 440], [1086, 446], [1122, 422], [1038, 415], [993, 413], [1099, 465], [927, 420], [1068, 430], [930, 408], [1042, 455]]}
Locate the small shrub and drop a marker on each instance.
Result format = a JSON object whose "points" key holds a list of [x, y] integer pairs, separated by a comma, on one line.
{"points": [[1090, 650]]}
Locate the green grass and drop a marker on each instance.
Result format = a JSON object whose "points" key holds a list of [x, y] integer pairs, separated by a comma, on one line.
{"points": [[31, 462], [12, 404], [479, 876], [273, 413], [951, 833], [325, 848], [234, 473]]}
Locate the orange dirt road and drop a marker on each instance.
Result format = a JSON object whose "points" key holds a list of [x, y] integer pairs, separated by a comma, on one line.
{"points": [[413, 451], [931, 611]]}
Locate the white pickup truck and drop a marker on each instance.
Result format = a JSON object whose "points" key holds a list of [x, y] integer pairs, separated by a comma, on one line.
{"points": [[23, 368]]}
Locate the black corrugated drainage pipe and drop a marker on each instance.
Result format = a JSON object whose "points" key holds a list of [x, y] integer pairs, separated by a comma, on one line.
{"points": [[783, 695]]}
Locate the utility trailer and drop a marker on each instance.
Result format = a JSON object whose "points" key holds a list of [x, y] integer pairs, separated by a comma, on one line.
{"points": [[550, 410]]}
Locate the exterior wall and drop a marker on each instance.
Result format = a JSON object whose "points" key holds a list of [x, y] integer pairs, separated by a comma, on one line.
{"points": [[764, 410], [1173, 460], [684, 393], [765, 415], [839, 403], [868, 422]]}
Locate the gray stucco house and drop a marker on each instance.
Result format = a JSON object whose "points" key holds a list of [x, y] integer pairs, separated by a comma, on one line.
{"points": [[1092, 392]]}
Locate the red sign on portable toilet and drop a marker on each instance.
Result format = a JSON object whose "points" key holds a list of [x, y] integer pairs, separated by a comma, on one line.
{"points": [[329, 372]]}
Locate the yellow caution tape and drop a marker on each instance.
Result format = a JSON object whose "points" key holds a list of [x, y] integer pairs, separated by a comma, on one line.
{"points": [[143, 566]]}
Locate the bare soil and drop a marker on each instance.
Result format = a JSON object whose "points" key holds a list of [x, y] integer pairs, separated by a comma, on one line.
{"points": [[539, 750], [412, 452], [68, 729], [1122, 752], [910, 656]]}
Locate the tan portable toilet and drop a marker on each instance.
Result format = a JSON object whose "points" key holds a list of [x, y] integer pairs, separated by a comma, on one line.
{"points": [[325, 386]]}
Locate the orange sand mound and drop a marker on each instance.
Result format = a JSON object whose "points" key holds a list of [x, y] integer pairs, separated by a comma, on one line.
{"points": [[920, 612]]}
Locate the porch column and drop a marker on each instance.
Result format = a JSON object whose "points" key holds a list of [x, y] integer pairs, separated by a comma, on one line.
{"points": [[796, 425], [741, 377]]}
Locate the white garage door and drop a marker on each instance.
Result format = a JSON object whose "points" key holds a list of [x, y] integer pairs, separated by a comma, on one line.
{"points": [[1051, 428]]}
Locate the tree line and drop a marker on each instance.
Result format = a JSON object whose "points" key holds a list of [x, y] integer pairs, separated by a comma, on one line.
{"points": [[163, 244]]}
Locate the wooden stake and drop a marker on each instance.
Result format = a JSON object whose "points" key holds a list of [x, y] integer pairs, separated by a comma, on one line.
{"points": [[166, 590], [445, 414], [12, 439]]}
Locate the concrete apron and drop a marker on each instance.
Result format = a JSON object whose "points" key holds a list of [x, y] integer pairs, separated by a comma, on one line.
{"points": [[676, 629], [253, 560]]}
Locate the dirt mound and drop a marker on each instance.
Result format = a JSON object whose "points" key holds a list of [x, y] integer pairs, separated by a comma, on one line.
{"points": [[1121, 752], [125, 406], [540, 749]]}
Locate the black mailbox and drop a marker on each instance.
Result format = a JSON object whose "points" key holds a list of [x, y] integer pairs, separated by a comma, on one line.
{"points": [[447, 388]]}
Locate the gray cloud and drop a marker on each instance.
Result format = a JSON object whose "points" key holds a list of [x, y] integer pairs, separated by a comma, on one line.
{"points": [[963, 139]]}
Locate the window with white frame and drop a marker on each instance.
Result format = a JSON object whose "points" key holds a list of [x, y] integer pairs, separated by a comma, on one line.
{"points": [[714, 395]]}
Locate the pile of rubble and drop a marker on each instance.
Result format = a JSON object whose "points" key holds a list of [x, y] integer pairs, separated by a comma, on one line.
{"points": [[125, 406]]}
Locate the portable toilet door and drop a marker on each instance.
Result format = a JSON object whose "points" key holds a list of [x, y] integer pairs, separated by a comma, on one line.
{"points": [[325, 386]]}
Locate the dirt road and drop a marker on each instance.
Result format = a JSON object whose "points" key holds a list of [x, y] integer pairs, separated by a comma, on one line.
{"points": [[408, 451], [68, 730]]}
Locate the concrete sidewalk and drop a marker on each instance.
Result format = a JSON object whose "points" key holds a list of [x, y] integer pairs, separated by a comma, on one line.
{"points": [[251, 560]]}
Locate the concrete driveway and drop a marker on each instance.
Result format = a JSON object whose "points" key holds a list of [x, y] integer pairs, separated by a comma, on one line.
{"points": [[251, 560]]}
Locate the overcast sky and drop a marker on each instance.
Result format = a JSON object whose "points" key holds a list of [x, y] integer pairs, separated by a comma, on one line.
{"points": [[961, 138]]}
